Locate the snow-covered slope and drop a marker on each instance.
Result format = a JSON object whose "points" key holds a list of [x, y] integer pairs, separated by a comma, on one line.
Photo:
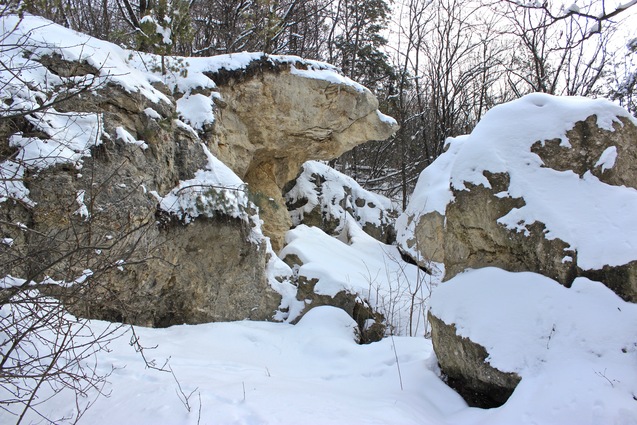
{"points": [[574, 348], [266, 373]]}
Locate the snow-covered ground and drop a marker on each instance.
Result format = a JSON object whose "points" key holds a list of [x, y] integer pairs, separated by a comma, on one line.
{"points": [[574, 348], [269, 373]]}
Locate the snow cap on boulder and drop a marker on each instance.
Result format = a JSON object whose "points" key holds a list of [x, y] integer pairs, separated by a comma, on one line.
{"points": [[542, 184]]}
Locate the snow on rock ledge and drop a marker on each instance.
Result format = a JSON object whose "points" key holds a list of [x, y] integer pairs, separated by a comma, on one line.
{"points": [[323, 197], [359, 274], [542, 184]]}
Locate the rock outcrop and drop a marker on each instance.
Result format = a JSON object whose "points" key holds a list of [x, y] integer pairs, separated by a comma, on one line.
{"points": [[467, 369], [543, 184], [114, 197], [149, 267], [277, 115], [489, 216]]}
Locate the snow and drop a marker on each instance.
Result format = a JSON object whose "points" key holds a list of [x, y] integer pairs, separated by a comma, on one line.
{"points": [[387, 119], [185, 74], [280, 277], [163, 31], [573, 347], [151, 113], [331, 75], [196, 110], [12, 187], [82, 211], [217, 189], [602, 234], [363, 266], [70, 136], [126, 137], [9, 281], [607, 158], [267, 373], [45, 39], [336, 196], [239, 61]]}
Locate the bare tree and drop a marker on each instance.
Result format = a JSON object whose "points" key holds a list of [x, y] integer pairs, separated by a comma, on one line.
{"points": [[623, 77], [596, 14], [62, 264], [565, 57], [449, 70], [271, 26]]}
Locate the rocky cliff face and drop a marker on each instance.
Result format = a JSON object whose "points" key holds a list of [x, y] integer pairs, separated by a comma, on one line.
{"points": [[127, 196]]}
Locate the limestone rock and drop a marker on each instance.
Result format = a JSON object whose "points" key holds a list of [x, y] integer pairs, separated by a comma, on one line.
{"points": [[115, 197], [371, 323], [589, 147], [543, 185], [149, 268], [465, 365], [275, 117], [506, 214]]}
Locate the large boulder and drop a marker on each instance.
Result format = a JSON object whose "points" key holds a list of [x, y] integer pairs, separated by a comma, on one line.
{"points": [[518, 337], [542, 184]]}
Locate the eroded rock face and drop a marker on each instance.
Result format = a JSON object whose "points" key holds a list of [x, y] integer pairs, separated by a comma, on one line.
{"points": [[473, 238], [589, 147], [274, 119]]}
